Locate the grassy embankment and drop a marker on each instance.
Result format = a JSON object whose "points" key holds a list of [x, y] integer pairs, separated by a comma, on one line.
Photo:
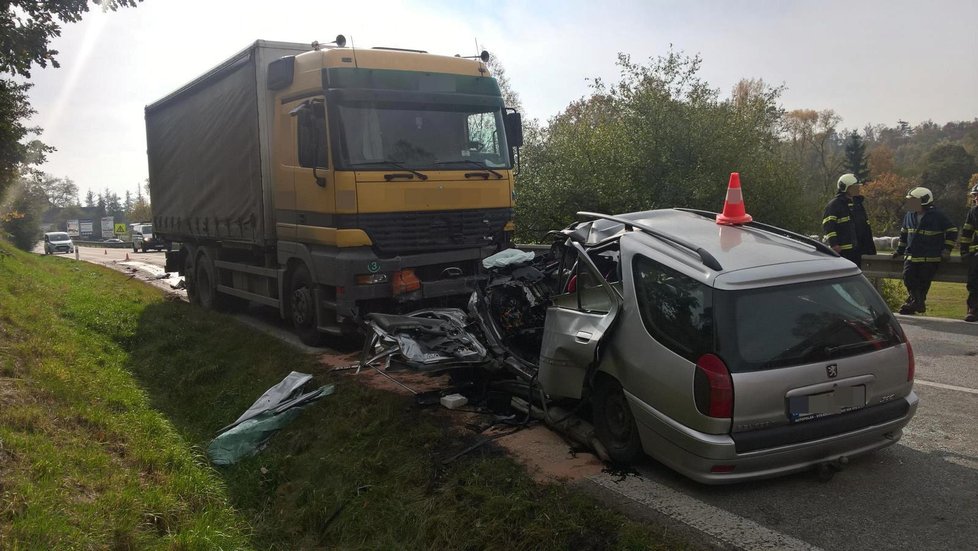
{"points": [[109, 393]]}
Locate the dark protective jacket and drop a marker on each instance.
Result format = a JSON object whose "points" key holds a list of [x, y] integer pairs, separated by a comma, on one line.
{"points": [[864, 234], [969, 232], [924, 237], [837, 223]]}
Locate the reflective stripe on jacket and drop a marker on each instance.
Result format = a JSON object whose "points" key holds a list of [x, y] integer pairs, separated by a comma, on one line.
{"points": [[924, 237], [969, 235], [837, 223]]}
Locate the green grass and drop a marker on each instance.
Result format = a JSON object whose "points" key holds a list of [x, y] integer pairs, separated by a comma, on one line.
{"points": [[109, 394], [945, 300]]}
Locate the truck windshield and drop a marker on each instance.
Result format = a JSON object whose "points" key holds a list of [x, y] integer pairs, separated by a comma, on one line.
{"points": [[421, 136]]}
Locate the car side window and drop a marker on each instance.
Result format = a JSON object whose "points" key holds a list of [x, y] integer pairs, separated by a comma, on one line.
{"points": [[676, 309]]}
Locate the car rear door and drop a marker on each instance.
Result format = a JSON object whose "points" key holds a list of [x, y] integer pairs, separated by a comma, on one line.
{"points": [[574, 327]]}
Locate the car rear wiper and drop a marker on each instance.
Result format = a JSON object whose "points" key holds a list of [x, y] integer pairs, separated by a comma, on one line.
{"points": [[483, 166], [874, 343], [394, 164]]}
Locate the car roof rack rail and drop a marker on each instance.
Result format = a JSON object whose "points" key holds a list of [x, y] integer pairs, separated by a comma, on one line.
{"points": [[708, 259], [821, 247]]}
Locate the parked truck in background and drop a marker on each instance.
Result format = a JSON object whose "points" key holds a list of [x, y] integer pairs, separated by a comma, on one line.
{"points": [[143, 238], [328, 182]]}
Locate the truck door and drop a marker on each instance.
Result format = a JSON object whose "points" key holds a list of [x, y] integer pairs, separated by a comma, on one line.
{"points": [[315, 198], [574, 327]]}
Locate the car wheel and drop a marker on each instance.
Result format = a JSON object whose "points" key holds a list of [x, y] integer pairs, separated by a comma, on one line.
{"points": [[302, 307], [613, 422]]}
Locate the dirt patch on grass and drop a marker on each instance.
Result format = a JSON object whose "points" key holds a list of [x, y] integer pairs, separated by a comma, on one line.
{"points": [[547, 457]]}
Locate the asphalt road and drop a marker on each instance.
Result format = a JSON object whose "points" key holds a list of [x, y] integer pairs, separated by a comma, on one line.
{"points": [[921, 493]]}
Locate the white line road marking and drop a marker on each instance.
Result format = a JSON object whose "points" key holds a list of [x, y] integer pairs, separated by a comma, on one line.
{"points": [[733, 530], [948, 387]]}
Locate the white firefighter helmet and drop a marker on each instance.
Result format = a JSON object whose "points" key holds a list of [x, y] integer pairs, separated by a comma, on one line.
{"points": [[922, 193], [846, 181]]}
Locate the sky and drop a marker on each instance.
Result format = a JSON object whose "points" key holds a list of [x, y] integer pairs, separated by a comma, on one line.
{"points": [[871, 61]]}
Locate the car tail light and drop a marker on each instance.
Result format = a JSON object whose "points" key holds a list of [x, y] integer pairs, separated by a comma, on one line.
{"points": [[713, 387], [911, 363], [722, 469]]}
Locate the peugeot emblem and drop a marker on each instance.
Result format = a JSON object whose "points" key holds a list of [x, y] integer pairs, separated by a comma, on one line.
{"points": [[832, 370]]}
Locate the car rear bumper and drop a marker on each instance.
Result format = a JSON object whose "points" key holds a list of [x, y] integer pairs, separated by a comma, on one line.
{"points": [[696, 454]]}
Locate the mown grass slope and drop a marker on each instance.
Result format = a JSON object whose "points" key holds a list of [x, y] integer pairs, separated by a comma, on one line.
{"points": [[109, 393]]}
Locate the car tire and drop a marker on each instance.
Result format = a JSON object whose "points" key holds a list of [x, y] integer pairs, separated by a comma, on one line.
{"points": [[614, 423], [302, 307]]}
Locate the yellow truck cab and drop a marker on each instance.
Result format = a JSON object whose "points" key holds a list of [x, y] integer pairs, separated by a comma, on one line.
{"points": [[329, 181]]}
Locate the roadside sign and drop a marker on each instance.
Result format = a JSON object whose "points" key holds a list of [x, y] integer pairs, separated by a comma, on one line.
{"points": [[120, 229], [106, 225], [73, 229]]}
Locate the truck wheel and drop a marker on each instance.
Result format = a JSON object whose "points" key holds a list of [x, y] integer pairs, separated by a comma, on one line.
{"points": [[206, 282], [190, 279], [302, 307], [613, 422], [134, 249]]}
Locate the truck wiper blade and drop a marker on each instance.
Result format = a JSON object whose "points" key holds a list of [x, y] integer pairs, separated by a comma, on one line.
{"points": [[483, 166], [394, 164]]}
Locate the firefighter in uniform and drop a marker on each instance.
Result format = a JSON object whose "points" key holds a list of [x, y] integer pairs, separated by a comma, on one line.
{"points": [[927, 237], [845, 224], [969, 253]]}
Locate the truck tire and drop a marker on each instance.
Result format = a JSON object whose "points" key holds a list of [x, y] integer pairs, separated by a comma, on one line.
{"points": [[190, 280], [613, 422], [206, 281], [302, 307], [134, 248]]}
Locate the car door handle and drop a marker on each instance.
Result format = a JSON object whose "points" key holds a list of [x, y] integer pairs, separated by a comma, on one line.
{"points": [[583, 337]]}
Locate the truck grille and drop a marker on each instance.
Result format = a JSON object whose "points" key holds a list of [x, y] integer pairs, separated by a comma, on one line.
{"points": [[411, 232]]}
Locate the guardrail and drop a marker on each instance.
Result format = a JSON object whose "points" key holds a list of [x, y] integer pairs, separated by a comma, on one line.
{"points": [[875, 266], [123, 245], [953, 270]]}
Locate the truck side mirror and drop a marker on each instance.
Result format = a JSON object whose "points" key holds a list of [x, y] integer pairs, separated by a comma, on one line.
{"points": [[514, 129]]}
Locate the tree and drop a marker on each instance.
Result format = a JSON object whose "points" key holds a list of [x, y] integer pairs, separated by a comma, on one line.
{"points": [[20, 217], [89, 199], [811, 143], [855, 157], [127, 203], [658, 137], [885, 198], [60, 192], [26, 29]]}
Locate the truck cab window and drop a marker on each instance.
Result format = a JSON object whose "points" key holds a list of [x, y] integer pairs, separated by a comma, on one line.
{"points": [[312, 135]]}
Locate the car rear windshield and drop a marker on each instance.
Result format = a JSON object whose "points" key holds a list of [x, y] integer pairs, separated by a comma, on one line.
{"points": [[803, 323]]}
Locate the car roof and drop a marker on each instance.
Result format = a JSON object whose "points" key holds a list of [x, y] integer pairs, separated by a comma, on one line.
{"points": [[748, 256]]}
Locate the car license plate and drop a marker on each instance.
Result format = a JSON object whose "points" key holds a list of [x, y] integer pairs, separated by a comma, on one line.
{"points": [[839, 400]]}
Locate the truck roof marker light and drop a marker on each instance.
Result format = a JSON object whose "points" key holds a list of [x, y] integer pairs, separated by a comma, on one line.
{"points": [[734, 212]]}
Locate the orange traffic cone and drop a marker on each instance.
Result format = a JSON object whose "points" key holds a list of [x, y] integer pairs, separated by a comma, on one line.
{"points": [[733, 207]]}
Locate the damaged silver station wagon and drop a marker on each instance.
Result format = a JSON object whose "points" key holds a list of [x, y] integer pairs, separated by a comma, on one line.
{"points": [[728, 353]]}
